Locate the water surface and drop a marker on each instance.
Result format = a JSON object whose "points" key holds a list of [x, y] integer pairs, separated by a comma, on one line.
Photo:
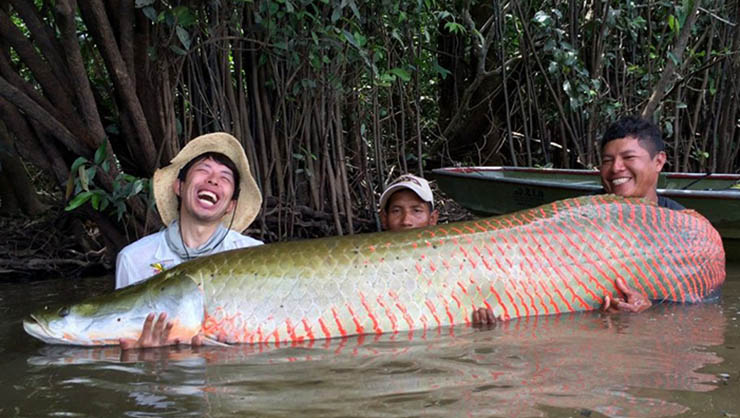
{"points": [[673, 360]]}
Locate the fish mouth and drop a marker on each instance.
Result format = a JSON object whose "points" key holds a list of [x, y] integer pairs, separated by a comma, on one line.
{"points": [[37, 329]]}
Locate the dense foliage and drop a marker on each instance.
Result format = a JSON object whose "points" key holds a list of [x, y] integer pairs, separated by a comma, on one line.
{"points": [[333, 99]]}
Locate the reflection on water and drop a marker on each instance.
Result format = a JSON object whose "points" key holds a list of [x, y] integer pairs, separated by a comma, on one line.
{"points": [[668, 361]]}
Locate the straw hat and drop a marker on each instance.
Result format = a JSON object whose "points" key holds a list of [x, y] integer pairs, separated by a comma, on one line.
{"points": [[250, 198]]}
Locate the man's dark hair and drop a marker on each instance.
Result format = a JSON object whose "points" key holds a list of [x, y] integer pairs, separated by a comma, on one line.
{"points": [[645, 131], [219, 158]]}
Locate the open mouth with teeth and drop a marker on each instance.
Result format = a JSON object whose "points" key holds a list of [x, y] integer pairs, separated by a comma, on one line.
{"points": [[207, 198], [620, 181]]}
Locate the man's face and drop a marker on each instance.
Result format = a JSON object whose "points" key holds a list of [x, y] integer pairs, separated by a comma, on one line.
{"points": [[206, 193], [628, 170], [406, 210]]}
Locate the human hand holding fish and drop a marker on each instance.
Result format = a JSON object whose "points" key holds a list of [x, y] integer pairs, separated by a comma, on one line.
{"points": [[484, 317], [156, 334], [633, 300]]}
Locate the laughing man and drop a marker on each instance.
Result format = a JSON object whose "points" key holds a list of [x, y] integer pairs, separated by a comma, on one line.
{"points": [[206, 197]]}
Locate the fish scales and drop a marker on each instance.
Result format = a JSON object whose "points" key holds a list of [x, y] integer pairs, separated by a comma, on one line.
{"points": [[556, 258], [562, 257]]}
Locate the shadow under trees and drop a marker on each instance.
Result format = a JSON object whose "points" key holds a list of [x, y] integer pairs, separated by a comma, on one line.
{"points": [[332, 100]]}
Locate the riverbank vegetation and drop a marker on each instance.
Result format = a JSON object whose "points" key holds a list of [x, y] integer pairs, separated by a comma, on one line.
{"points": [[331, 100]]}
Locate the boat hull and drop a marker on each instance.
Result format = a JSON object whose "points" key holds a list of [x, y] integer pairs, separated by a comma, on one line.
{"points": [[499, 190]]}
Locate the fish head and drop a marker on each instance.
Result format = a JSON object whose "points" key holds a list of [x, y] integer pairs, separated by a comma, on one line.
{"points": [[105, 319]]}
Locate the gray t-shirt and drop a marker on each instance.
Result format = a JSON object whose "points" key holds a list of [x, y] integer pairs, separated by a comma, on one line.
{"points": [[151, 255], [669, 203], [663, 202]]}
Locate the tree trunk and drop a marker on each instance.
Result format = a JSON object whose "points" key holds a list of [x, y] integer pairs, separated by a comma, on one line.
{"points": [[17, 193]]}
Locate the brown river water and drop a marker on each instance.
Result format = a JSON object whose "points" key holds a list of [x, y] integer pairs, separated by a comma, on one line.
{"points": [[673, 360]]}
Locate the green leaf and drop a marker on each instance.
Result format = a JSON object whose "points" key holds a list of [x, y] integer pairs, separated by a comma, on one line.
{"points": [[177, 50], [143, 3], [150, 13], [95, 201], [100, 153], [567, 88], [184, 16], [70, 186], [120, 210], [542, 18], [442, 71], [82, 176], [78, 200], [350, 38], [361, 39], [355, 11], [77, 163], [183, 36], [401, 73], [454, 27], [386, 79], [336, 14], [673, 24], [443, 15], [91, 172], [138, 186], [673, 58]]}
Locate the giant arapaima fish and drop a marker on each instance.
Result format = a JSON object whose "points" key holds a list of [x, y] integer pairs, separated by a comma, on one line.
{"points": [[556, 258]]}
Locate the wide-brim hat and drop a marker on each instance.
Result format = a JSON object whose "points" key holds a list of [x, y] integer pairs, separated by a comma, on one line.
{"points": [[250, 199], [416, 184]]}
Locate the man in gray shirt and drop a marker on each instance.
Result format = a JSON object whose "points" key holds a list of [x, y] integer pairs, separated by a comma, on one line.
{"points": [[206, 197]]}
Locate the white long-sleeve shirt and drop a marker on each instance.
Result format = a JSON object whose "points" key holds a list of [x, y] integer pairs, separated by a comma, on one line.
{"points": [[151, 255]]}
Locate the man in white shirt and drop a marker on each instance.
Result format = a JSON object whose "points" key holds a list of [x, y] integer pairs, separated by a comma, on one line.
{"points": [[206, 196]]}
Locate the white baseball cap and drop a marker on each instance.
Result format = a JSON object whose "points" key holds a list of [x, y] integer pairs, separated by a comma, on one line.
{"points": [[416, 184]]}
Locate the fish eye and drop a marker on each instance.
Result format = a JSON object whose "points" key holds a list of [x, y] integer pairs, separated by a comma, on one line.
{"points": [[63, 311]]}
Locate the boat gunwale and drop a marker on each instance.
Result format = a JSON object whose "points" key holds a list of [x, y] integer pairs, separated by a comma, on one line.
{"points": [[580, 172], [465, 172]]}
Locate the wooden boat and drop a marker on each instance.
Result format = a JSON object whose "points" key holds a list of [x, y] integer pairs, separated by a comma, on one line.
{"points": [[498, 190]]}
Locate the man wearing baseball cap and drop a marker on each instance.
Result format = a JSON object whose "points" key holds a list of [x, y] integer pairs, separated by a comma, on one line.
{"points": [[206, 196], [407, 203]]}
